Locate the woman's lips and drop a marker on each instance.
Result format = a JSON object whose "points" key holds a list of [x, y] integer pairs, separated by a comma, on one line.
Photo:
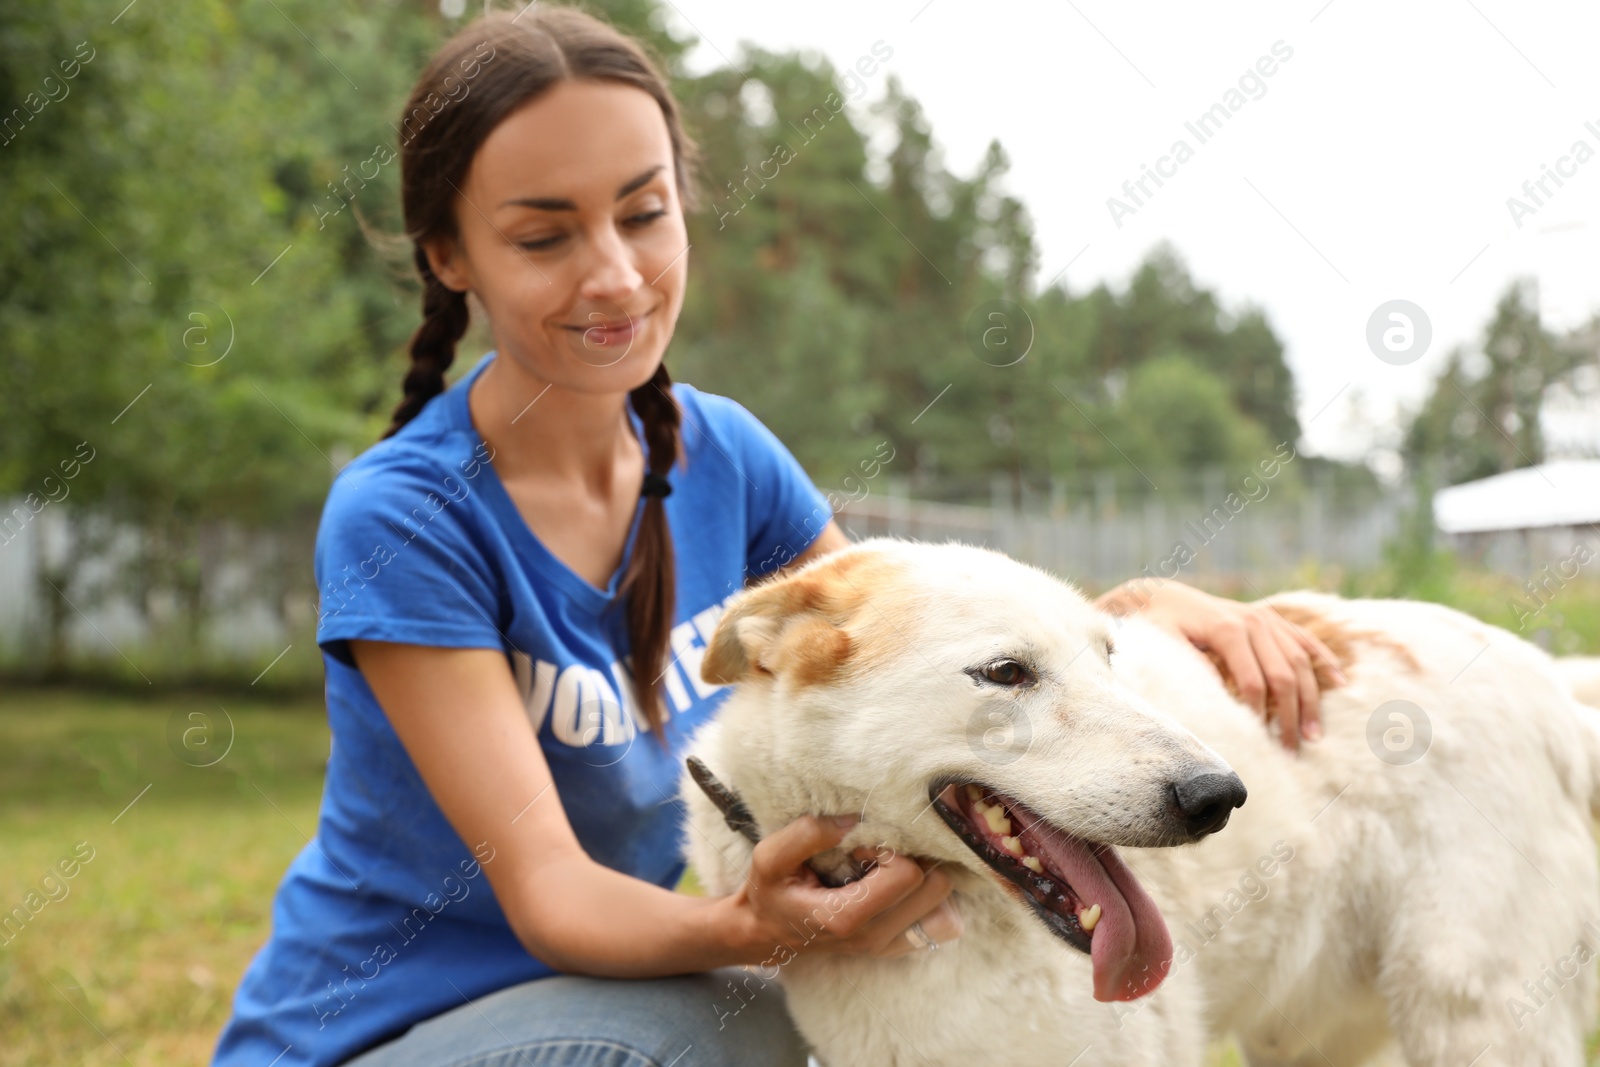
{"points": [[608, 334]]}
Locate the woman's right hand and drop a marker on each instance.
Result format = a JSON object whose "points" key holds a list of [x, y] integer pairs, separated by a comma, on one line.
{"points": [[783, 904]]}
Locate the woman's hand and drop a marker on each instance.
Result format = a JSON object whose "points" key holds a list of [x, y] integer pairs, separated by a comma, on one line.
{"points": [[786, 910], [1270, 659]]}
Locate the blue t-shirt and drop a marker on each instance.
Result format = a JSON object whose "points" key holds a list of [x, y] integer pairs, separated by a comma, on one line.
{"points": [[386, 918]]}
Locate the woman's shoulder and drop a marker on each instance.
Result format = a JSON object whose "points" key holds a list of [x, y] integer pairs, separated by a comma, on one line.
{"points": [[422, 471], [721, 418]]}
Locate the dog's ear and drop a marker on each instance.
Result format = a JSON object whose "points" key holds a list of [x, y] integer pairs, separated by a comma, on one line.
{"points": [[740, 633], [792, 626]]}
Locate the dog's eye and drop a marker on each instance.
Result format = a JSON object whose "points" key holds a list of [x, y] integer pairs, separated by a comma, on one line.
{"points": [[1007, 672], [1110, 648]]}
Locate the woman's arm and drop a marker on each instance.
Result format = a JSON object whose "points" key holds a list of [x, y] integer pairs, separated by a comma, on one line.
{"points": [[458, 714], [831, 539], [1270, 658]]}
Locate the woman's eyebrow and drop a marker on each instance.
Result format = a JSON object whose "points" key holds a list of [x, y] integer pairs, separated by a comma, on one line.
{"points": [[549, 203]]}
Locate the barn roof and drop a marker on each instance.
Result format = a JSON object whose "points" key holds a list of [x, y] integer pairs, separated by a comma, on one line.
{"points": [[1564, 493]]}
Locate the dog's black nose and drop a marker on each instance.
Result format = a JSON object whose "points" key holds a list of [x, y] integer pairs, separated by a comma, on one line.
{"points": [[1205, 799]]}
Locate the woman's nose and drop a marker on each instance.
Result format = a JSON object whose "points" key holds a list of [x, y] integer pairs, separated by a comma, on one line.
{"points": [[609, 273]]}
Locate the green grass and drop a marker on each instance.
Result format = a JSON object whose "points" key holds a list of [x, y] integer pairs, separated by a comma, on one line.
{"points": [[138, 961]]}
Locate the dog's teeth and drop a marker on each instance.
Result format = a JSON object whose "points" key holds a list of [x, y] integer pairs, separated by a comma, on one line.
{"points": [[974, 793], [1033, 864], [998, 823], [1089, 917], [1012, 845]]}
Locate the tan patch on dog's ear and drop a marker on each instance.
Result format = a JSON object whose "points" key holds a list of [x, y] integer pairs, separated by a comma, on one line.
{"points": [[1340, 638], [791, 625], [726, 660], [810, 652]]}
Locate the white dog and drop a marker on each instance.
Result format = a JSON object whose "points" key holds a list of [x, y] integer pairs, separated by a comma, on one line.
{"points": [[1583, 675], [1424, 874]]}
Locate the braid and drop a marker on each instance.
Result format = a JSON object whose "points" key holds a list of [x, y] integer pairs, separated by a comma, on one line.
{"points": [[650, 583], [433, 346], [659, 411]]}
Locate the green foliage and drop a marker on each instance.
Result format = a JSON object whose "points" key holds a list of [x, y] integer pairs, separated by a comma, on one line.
{"points": [[1416, 566], [190, 286], [144, 209], [1183, 414], [1163, 310], [1483, 414], [185, 286]]}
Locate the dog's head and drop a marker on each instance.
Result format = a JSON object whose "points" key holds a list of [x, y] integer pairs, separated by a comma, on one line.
{"points": [[900, 678]]}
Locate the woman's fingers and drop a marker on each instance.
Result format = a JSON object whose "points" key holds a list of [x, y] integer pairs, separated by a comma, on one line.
{"points": [[885, 936], [1230, 639], [1282, 681], [872, 912], [1300, 658], [776, 857], [1301, 652], [1272, 664], [893, 880], [943, 923], [1319, 652], [1304, 652], [792, 903]]}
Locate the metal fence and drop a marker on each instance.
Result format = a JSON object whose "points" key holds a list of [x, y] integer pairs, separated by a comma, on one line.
{"points": [[1096, 539], [88, 572], [1104, 538]]}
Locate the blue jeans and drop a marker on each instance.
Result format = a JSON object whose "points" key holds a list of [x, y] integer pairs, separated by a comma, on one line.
{"points": [[691, 1020]]}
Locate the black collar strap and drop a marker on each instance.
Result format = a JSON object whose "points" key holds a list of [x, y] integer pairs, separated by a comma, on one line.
{"points": [[739, 820]]}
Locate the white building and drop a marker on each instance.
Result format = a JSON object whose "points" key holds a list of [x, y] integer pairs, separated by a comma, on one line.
{"points": [[1528, 519]]}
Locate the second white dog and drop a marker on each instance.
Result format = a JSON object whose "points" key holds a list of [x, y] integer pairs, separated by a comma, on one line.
{"points": [[1424, 874]]}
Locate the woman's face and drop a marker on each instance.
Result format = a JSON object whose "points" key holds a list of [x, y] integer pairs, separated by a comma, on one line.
{"points": [[571, 234]]}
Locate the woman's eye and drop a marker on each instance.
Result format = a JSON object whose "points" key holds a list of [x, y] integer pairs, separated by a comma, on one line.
{"points": [[648, 217], [544, 242], [1007, 672]]}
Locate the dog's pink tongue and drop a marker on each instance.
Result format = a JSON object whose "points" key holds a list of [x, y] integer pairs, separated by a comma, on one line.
{"points": [[1131, 948]]}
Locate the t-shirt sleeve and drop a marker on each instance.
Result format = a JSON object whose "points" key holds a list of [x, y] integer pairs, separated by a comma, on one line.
{"points": [[396, 560], [785, 511]]}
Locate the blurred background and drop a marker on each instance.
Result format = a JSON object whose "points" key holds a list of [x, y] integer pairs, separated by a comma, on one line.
{"points": [[1347, 336]]}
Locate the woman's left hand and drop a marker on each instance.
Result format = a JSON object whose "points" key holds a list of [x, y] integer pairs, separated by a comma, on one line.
{"points": [[1271, 660]]}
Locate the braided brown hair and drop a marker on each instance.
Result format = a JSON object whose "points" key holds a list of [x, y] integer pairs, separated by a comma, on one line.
{"points": [[505, 61], [433, 346]]}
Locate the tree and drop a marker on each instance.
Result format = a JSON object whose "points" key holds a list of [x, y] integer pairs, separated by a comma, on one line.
{"points": [[184, 286], [1484, 413]]}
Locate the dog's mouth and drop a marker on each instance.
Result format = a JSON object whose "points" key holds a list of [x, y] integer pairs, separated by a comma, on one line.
{"points": [[1083, 891]]}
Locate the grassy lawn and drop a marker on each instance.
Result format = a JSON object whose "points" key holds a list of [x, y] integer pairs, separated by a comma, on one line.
{"points": [[137, 958]]}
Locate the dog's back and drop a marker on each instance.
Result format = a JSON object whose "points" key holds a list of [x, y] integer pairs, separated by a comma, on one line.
{"points": [[1582, 674], [1436, 872]]}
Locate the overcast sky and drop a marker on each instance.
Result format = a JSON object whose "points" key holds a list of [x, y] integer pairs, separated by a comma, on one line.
{"points": [[1373, 164]]}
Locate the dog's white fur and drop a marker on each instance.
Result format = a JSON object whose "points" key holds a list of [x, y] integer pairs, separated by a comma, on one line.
{"points": [[1583, 675], [1349, 904]]}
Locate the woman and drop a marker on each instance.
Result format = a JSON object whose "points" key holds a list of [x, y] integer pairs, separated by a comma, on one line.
{"points": [[476, 889]]}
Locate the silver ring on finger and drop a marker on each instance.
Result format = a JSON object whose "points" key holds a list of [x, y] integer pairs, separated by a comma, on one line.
{"points": [[919, 937]]}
